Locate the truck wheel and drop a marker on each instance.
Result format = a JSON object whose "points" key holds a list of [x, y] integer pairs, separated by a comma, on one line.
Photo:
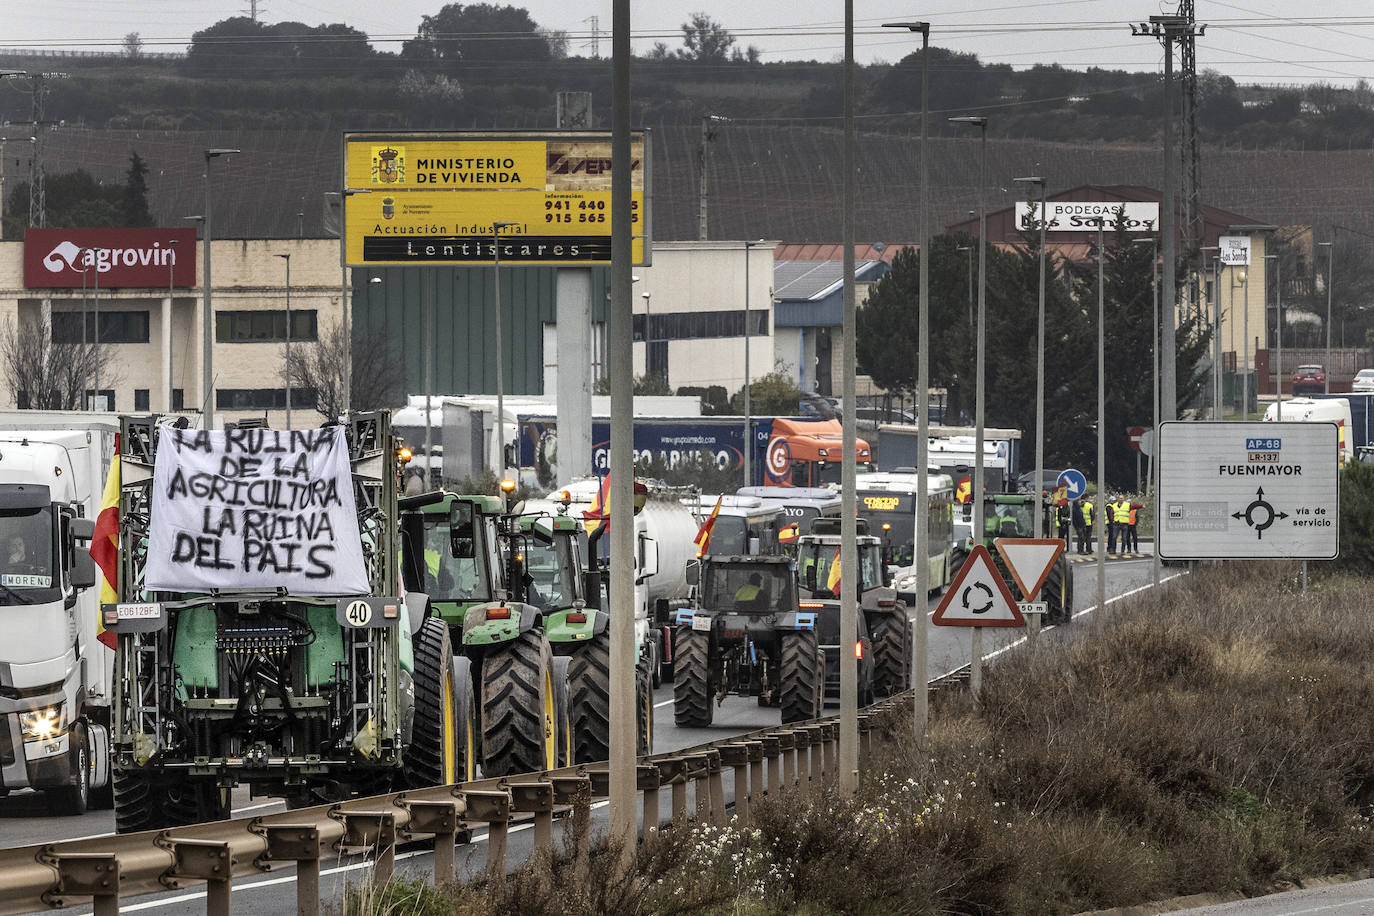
{"points": [[802, 673], [73, 798], [889, 653], [590, 674], [518, 720], [433, 757], [563, 727], [691, 690], [1057, 593], [644, 706]]}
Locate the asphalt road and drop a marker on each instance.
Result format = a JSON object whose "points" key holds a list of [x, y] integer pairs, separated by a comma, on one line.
{"points": [[24, 820]]}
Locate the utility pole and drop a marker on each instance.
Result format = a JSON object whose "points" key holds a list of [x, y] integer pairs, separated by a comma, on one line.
{"points": [[1168, 29], [1193, 230], [37, 175], [708, 134]]}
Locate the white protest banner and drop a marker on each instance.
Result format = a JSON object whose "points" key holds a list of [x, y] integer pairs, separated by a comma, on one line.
{"points": [[255, 508]]}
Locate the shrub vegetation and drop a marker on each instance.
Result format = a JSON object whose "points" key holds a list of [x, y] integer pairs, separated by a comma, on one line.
{"points": [[1214, 737]]}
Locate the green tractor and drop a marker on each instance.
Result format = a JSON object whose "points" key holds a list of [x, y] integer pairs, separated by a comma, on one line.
{"points": [[527, 622], [1012, 515], [884, 626], [309, 695]]}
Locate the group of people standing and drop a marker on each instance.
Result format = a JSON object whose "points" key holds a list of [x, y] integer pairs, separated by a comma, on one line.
{"points": [[1121, 517]]}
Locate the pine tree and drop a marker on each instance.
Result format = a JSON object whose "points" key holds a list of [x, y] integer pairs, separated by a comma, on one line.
{"points": [[134, 212]]}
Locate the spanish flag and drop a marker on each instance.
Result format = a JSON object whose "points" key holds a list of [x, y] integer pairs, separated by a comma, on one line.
{"points": [[703, 538], [105, 546], [789, 534], [832, 581], [600, 510], [964, 491], [1060, 495]]}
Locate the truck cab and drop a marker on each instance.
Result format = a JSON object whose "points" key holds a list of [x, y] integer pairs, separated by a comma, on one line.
{"points": [[55, 676]]}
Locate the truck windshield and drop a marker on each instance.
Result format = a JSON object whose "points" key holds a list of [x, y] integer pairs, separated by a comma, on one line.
{"points": [[552, 567], [450, 578], [26, 538]]}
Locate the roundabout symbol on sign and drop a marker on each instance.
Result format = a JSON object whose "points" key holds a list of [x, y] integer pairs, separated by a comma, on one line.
{"points": [[987, 598], [779, 459], [1259, 514]]}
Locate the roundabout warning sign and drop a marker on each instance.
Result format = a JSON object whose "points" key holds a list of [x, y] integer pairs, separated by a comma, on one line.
{"points": [[1248, 491], [978, 597]]}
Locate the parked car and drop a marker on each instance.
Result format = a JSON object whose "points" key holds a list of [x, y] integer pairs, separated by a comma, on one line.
{"points": [[1364, 380], [1309, 380]]}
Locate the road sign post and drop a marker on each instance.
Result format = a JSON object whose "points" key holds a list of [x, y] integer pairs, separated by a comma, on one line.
{"points": [[978, 598], [1248, 491]]}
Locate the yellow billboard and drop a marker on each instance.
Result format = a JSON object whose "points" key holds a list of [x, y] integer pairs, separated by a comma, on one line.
{"points": [[429, 198]]}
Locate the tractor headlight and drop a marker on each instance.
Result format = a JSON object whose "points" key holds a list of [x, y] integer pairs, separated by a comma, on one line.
{"points": [[43, 724]]}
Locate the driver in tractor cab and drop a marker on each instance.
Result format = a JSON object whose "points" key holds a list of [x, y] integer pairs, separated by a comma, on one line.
{"points": [[751, 592]]}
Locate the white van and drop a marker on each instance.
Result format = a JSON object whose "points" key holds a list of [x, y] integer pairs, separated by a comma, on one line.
{"points": [[1325, 410]]}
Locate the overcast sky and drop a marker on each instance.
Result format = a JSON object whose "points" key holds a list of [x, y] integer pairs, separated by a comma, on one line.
{"points": [[1265, 41]]}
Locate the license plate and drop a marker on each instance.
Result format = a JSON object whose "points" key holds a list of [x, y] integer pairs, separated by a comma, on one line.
{"points": [[1033, 607], [701, 623], [137, 611]]}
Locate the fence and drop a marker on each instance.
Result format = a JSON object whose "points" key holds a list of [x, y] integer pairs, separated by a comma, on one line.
{"points": [[798, 757]]}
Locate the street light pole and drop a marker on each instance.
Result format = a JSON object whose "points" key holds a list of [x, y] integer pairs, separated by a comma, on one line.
{"points": [[85, 353], [287, 259], [648, 332], [969, 249], [1330, 264], [748, 404], [96, 303], [171, 307], [1100, 510], [1278, 322], [496, 228], [207, 375], [980, 395], [920, 698], [1039, 182]]}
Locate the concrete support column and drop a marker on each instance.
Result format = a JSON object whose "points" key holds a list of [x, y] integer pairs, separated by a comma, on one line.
{"points": [[574, 395]]}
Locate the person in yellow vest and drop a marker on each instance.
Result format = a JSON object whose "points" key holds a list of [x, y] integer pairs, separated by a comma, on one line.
{"points": [[1088, 543], [1120, 517]]}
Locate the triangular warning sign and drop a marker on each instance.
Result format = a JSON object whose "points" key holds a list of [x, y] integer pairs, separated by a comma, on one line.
{"points": [[1030, 560], [978, 597]]}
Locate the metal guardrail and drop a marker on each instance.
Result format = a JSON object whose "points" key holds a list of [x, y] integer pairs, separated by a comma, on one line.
{"points": [[798, 757]]}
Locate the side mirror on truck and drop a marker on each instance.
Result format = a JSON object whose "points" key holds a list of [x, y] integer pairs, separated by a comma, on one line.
{"points": [[83, 570]]}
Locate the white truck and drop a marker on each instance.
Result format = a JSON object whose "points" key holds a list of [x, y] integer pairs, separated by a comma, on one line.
{"points": [[55, 686]]}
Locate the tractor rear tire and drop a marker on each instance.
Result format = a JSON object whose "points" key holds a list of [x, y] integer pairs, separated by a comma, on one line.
{"points": [[563, 728], [144, 802], [434, 757], [644, 705], [890, 652], [803, 676], [518, 717], [692, 706], [590, 674], [1057, 593]]}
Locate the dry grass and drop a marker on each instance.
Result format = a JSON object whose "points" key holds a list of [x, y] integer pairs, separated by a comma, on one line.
{"points": [[1215, 737]]}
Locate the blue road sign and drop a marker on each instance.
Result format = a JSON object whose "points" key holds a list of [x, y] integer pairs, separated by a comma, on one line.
{"points": [[1076, 483]]}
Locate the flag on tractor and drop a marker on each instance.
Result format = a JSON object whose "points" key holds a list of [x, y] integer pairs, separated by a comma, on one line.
{"points": [[105, 546], [964, 492], [832, 581], [703, 538], [600, 510], [789, 534]]}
